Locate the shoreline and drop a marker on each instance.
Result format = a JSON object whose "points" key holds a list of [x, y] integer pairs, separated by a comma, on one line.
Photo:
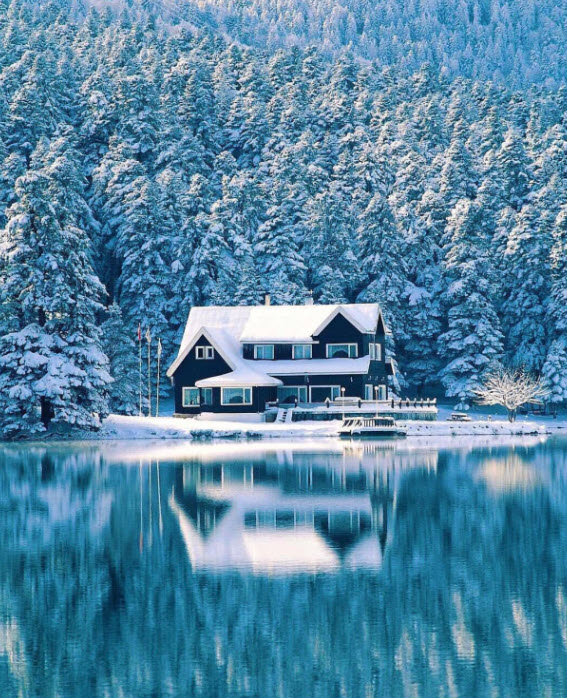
{"points": [[122, 428]]}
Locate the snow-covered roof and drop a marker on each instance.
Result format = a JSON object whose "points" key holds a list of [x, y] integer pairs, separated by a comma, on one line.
{"points": [[299, 323], [226, 328]]}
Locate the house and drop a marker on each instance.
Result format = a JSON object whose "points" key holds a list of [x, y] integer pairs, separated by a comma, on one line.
{"points": [[235, 360]]}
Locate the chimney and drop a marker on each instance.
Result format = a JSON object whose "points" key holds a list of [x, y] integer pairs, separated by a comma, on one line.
{"points": [[309, 298], [267, 300]]}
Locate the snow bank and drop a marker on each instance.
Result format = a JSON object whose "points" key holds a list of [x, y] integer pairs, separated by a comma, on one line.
{"points": [[476, 428], [119, 427]]}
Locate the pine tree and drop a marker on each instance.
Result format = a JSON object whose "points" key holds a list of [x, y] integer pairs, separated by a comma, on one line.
{"points": [[555, 367], [277, 252], [514, 167], [121, 350], [332, 269], [54, 371], [382, 253], [527, 283], [473, 341]]}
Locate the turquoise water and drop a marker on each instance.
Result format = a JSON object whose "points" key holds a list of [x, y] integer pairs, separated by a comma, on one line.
{"points": [[284, 569]]}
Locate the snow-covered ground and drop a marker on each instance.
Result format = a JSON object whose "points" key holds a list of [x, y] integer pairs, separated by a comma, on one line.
{"points": [[119, 427]]}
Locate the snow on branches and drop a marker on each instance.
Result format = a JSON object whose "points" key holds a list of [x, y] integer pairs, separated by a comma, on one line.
{"points": [[511, 389]]}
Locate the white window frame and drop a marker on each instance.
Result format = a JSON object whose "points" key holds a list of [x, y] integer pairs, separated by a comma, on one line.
{"points": [[203, 403], [188, 404], [375, 351], [338, 389], [343, 344], [299, 388], [204, 352], [237, 404], [368, 392], [303, 346], [382, 392], [261, 358]]}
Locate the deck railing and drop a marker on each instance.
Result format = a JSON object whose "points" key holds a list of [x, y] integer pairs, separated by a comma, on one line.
{"points": [[400, 409]]}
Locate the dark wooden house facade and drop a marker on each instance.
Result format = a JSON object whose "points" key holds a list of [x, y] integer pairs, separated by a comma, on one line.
{"points": [[236, 360]]}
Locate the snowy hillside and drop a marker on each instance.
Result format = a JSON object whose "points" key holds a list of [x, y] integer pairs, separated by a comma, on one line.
{"points": [[145, 170], [510, 42]]}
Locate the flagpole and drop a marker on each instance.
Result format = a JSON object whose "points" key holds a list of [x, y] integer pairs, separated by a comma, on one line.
{"points": [[158, 365], [140, 365], [149, 339]]}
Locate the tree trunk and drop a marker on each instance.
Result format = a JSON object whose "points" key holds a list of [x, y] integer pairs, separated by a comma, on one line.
{"points": [[512, 415], [46, 412]]}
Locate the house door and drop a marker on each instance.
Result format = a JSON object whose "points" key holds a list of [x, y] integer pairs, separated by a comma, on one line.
{"points": [[368, 392], [319, 393]]}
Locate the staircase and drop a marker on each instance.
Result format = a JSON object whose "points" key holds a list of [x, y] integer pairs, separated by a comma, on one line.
{"points": [[285, 415]]}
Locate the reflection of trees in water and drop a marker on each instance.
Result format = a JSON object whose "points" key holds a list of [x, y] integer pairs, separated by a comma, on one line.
{"points": [[473, 592]]}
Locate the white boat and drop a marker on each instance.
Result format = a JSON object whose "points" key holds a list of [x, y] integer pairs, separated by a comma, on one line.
{"points": [[371, 427]]}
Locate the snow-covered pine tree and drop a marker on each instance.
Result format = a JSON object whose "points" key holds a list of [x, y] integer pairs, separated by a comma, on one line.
{"points": [[555, 367], [122, 352], [383, 263], [332, 267], [235, 220], [527, 290], [473, 340], [513, 164], [53, 369]]}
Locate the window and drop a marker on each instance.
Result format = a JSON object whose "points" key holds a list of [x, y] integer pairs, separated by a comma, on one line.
{"points": [[204, 352], [264, 351], [382, 393], [320, 393], [236, 396], [288, 393], [368, 389], [375, 351], [206, 396], [345, 351], [302, 351], [191, 397]]}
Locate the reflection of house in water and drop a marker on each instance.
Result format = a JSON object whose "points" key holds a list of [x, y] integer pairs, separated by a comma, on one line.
{"points": [[286, 511]]}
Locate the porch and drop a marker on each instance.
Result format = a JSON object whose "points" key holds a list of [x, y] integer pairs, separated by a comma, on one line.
{"points": [[417, 409]]}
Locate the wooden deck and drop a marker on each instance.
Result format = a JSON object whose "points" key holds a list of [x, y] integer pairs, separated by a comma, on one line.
{"points": [[415, 410]]}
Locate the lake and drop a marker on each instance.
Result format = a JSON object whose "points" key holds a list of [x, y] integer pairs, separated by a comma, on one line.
{"points": [[323, 568]]}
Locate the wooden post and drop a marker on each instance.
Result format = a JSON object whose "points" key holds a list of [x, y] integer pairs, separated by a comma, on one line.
{"points": [[159, 349], [149, 340]]}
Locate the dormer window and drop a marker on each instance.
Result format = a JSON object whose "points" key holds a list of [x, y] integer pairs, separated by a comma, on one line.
{"points": [[264, 351], [342, 351], [302, 351], [202, 352]]}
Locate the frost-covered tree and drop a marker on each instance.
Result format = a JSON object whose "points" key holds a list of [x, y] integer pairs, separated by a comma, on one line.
{"points": [[473, 340], [555, 367], [277, 249], [122, 352], [328, 249], [511, 389], [527, 279], [54, 372], [383, 254]]}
